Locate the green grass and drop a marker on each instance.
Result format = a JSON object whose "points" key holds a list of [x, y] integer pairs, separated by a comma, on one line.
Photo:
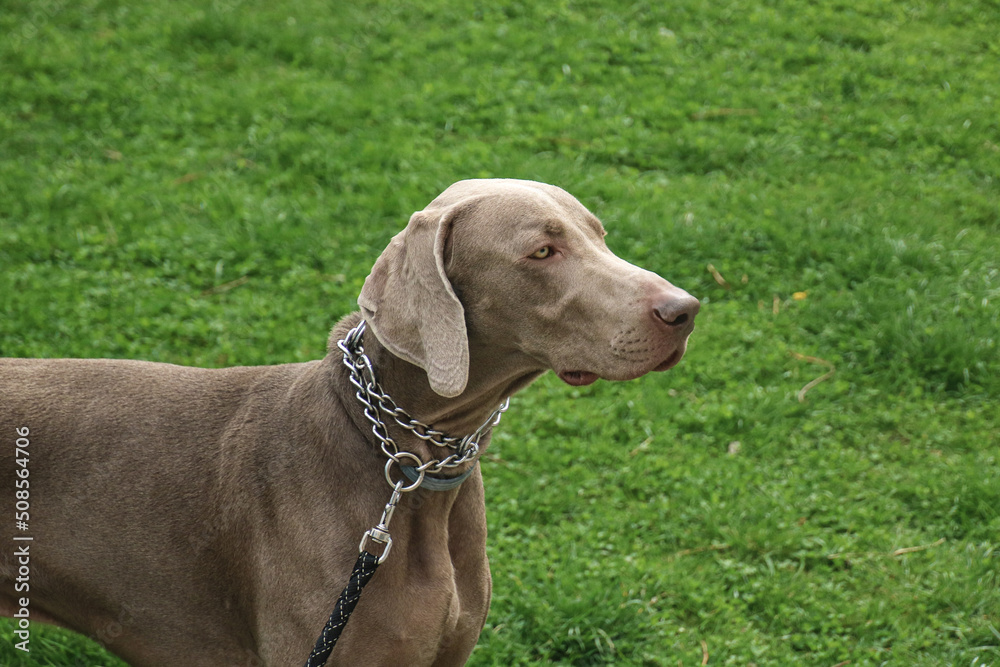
{"points": [[153, 153]]}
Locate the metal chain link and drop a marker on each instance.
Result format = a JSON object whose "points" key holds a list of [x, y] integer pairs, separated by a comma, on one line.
{"points": [[377, 402]]}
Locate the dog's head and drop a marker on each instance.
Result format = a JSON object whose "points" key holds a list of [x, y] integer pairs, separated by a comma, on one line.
{"points": [[521, 267]]}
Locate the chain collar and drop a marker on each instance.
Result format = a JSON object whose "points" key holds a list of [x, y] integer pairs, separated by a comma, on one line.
{"points": [[377, 403]]}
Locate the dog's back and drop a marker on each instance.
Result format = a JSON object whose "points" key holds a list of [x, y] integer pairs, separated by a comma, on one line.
{"points": [[126, 463]]}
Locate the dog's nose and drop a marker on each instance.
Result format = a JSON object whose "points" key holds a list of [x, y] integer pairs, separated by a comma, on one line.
{"points": [[678, 312]]}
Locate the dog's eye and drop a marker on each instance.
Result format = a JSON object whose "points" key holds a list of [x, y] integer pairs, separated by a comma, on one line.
{"points": [[542, 253]]}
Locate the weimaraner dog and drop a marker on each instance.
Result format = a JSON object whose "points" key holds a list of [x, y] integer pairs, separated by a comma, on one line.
{"points": [[186, 516]]}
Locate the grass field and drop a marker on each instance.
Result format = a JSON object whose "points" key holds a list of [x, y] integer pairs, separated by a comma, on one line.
{"points": [[208, 183]]}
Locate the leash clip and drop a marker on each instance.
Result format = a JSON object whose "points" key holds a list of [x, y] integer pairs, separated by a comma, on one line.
{"points": [[380, 533], [377, 535]]}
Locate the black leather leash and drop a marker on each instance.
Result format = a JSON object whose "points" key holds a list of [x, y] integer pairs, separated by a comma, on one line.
{"points": [[364, 568]]}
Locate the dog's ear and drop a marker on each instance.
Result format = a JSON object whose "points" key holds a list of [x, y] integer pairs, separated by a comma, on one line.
{"points": [[410, 305]]}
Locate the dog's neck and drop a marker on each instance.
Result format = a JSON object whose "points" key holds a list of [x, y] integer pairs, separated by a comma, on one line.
{"points": [[492, 378], [490, 382]]}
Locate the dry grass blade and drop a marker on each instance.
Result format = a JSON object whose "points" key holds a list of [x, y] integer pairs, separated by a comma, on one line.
{"points": [[718, 277], [923, 547], [187, 178], [722, 113], [698, 550], [825, 376], [225, 287], [893, 554]]}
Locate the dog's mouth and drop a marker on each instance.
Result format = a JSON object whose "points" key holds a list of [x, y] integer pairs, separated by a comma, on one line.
{"points": [[670, 361], [578, 378], [583, 378]]}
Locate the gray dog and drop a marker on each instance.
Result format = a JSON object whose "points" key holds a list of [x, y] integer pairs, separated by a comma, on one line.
{"points": [[188, 516]]}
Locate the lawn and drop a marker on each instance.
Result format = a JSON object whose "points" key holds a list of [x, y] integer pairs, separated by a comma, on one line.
{"points": [[208, 183]]}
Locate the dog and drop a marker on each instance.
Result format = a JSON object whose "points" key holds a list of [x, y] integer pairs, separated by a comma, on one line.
{"points": [[188, 516]]}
